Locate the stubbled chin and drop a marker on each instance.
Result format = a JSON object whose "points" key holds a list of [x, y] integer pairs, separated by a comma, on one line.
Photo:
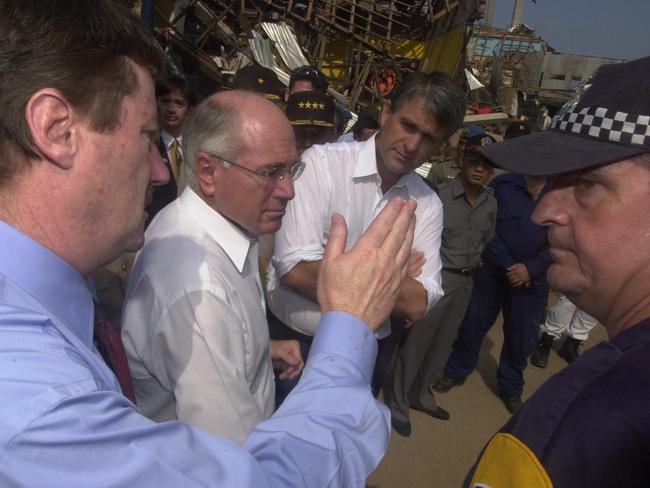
{"points": [[566, 281]]}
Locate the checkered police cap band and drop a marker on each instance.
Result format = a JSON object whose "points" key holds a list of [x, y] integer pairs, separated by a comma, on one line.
{"points": [[606, 125]]}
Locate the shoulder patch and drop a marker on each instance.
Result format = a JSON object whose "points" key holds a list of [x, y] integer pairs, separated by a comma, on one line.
{"points": [[507, 462]]}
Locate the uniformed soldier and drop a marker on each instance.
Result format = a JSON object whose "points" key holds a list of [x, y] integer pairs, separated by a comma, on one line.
{"points": [[468, 224], [446, 166]]}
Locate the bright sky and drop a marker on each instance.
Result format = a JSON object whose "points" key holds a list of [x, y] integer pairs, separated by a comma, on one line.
{"points": [[617, 29]]}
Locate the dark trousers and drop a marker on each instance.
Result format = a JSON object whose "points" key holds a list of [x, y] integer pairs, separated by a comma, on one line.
{"points": [[523, 312], [425, 351]]}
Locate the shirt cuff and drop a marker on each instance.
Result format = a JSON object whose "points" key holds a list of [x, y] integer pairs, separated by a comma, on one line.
{"points": [[345, 335], [433, 288]]}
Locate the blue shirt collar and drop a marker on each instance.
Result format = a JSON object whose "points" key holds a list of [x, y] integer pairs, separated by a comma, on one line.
{"points": [[47, 278]]}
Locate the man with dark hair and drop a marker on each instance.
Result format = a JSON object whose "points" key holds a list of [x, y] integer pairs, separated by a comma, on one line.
{"points": [[589, 424], [78, 141], [469, 220], [356, 180], [174, 98], [307, 78]]}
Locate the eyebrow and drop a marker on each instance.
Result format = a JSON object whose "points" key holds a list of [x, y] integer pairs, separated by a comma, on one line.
{"points": [[405, 120]]}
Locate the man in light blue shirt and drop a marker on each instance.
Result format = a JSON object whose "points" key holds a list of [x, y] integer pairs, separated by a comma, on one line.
{"points": [[77, 152]]}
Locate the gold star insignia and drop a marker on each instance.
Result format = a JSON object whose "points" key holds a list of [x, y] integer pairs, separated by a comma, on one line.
{"points": [[301, 104], [260, 81], [322, 106]]}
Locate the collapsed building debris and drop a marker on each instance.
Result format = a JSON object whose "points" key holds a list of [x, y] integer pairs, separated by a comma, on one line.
{"points": [[364, 47]]}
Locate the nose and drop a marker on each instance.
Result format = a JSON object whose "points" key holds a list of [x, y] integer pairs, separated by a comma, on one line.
{"points": [[284, 188], [412, 142], [553, 207], [159, 171]]}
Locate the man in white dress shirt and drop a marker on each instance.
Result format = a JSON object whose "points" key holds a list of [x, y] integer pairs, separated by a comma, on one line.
{"points": [[194, 324], [357, 180]]}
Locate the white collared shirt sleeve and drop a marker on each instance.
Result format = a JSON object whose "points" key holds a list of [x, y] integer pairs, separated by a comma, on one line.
{"points": [[304, 228], [428, 234]]}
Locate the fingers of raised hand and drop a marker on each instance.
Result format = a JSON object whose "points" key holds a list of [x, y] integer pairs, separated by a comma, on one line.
{"points": [[400, 234], [383, 224]]}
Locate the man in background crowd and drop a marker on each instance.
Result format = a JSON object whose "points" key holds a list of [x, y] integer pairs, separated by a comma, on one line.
{"points": [[306, 79], [174, 98], [312, 115]]}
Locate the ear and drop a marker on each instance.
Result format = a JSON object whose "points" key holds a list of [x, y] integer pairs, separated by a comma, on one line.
{"points": [[51, 122], [384, 112], [206, 173]]}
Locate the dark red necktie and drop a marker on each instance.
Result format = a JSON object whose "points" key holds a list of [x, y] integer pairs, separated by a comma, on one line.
{"points": [[109, 343]]}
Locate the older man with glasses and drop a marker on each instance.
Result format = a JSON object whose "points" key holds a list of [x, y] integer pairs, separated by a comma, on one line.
{"points": [[195, 329]]}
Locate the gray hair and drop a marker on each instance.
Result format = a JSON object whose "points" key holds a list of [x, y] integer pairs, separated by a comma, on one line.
{"points": [[444, 99], [211, 127]]}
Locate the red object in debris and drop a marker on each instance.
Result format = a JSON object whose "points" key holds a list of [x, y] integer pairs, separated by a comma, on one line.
{"points": [[483, 110]]}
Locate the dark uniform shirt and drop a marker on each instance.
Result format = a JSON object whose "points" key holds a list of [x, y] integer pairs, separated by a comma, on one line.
{"points": [[518, 239], [587, 426], [466, 228]]}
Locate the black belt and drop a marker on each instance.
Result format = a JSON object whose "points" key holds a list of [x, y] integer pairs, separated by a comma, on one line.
{"points": [[462, 271]]}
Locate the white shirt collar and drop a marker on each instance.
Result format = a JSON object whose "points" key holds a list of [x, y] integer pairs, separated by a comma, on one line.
{"points": [[367, 163], [168, 138], [234, 242]]}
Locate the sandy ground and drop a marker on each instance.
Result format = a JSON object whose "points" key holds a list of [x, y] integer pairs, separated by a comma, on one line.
{"points": [[439, 453]]}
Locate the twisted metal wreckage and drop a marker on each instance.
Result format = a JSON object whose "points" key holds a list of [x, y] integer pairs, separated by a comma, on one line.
{"points": [[364, 47]]}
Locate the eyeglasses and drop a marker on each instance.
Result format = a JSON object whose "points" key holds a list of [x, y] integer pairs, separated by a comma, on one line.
{"points": [[274, 174]]}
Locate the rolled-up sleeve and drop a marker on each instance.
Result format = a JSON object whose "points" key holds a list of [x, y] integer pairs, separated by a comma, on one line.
{"points": [[303, 233]]}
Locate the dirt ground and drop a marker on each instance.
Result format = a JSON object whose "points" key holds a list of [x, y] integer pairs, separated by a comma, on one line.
{"points": [[439, 453]]}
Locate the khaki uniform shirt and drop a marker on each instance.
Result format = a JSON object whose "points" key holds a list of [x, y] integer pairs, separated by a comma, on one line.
{"points": [[466, 229], [443, 171]]}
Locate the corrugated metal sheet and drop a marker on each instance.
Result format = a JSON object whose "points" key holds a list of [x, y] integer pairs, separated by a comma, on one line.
{"points": [[263, 54], [286, 44]]}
